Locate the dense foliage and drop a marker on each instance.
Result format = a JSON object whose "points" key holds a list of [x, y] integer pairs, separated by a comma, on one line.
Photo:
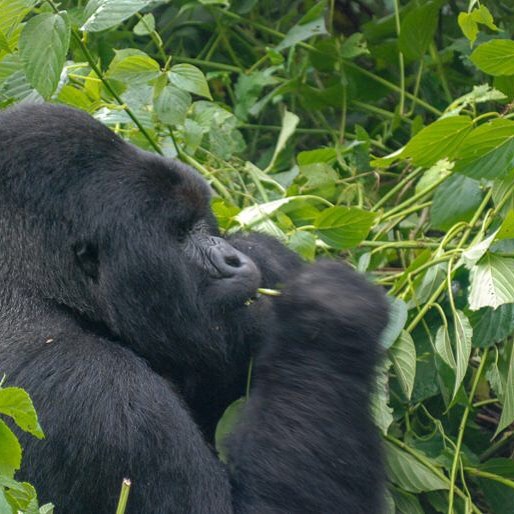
{"points": [[379, 130]]}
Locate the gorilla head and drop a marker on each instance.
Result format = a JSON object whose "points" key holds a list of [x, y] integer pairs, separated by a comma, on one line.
{"points": [[97, 220]]}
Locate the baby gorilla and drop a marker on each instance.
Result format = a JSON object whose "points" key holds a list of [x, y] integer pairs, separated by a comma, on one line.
{"points": [[124, 313]]}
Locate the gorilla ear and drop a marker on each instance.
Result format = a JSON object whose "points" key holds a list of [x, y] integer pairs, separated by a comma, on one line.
{"points": [[86, 254]]}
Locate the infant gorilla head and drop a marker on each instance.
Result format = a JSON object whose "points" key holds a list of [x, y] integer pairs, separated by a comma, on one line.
{"points": [[125, 315]]}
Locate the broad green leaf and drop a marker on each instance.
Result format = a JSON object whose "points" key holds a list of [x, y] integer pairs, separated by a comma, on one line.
{"points": [[343, 227], [353, 46], [491, 326], [289, 123], [312, 24], [145, 26], [439, 170], [507, 416], [506, 230], [463, 336], [406, 503], [10, 451], [499, 497], [409, 473], [492, 282], [4, 505], [488, 152], [303, 243], [456, 199], [318, 174], [403, 355], [259, 212], [380, 409], [475, 252], [44, 44], [443, 346], [439, 140], [258, 175], [397, 318], [325, 155], [500, 466], [172, 104], [189, 78], [479, 94], [418, 29], [104, 14], [133, 68], [226, 425], [431, 280], [16, 403], [495, 57], [468, 26], [481, 14]]}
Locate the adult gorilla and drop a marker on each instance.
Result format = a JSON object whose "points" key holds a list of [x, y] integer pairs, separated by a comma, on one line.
{"points": [[124, 314]]}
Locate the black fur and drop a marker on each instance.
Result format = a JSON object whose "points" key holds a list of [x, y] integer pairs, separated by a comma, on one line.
{"points": [[123, 314]]}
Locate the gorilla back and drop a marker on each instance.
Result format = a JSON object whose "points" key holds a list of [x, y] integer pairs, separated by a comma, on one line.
{"points": [[124, 313]]}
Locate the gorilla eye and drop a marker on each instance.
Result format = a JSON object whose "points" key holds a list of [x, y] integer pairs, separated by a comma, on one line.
{"points": [[86, 254]]}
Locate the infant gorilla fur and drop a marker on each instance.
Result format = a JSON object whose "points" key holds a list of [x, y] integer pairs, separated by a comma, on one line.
{"points": [[124, 314]]}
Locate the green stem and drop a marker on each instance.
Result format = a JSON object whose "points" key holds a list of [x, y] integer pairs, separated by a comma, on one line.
{"points": [[122, 502], [398, 187], [400, 59], [490, 476], [462, 429]]}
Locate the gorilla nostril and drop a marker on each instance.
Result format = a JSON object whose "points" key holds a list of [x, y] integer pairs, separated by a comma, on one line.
{"points": [[233, 261]]}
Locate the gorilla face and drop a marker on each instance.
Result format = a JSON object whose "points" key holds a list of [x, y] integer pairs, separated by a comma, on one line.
{"points": [[127, 238], [168, 249]]}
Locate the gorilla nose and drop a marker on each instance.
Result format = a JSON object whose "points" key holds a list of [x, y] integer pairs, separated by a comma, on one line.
{"points": [[228, 261]]}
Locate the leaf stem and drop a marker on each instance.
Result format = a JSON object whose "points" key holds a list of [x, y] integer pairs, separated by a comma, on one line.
{"points": [[462, 429]]}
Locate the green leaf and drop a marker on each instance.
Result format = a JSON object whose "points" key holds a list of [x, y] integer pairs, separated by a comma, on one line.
{"points": [[488, 151], [10, 451], [104, 14], [403, 355], [380, 409], [133, 67], [318, 174], [303, 243], [491, 326], [443, 347], [343, 227], [145, 26], [289, 123], [439, 140], [397, 318], [492, 282], [16, 403], [312, 24], [506, 230], [226, 426], [468, 26], [463, 336], [172, 104], [456, 199], [409, 473], [482, 15], [189, 78], [439, 170], [44, 43], [418, 29], [495, 57], [406, 503], [507, 416], [353, 46]]}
